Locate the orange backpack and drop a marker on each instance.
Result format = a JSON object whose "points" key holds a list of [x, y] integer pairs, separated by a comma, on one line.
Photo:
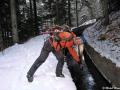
{"points": [[65, 40], [62, 40]]}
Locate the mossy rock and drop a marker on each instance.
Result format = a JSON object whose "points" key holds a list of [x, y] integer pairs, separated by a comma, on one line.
{"points": [[103, 37]]}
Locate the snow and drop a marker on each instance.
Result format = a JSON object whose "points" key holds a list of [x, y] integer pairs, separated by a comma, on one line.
{"points": [[106, 48], [88, 22], [16, 60]]}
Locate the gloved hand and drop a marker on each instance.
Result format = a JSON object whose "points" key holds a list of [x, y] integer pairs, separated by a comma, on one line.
{"points": [[81, 64]]}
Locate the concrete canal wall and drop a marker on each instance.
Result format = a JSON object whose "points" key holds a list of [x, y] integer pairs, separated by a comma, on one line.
{"points": [[106, 67]]}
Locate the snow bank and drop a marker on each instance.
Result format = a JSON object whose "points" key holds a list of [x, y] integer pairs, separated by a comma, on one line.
{"points": [[107, 48], [88, 22], [16, 61]]}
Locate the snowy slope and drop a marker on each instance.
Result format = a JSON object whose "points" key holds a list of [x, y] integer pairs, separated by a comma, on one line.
{"points": [[16, 61], [110, 47]]}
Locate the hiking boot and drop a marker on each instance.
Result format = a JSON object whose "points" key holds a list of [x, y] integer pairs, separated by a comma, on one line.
{"points": [[30, 78], [60, 75]]}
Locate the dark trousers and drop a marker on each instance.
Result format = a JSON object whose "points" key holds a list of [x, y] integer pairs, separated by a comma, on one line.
{"points": [[47, 48]]}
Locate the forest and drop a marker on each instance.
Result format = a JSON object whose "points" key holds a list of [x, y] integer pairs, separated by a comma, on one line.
{"points": [[23, 19]]}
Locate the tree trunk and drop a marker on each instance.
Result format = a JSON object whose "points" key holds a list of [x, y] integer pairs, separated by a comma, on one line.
{"points": [[106, 12], [57, 13], [14, 21], [35, 17], [69, 13], [31, 13], [76, 13]]}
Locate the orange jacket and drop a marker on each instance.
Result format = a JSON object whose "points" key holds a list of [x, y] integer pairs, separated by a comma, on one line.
{"points": [[67, 41]]}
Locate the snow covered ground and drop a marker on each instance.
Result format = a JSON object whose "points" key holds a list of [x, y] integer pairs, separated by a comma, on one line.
{"points": [[16, 61], [107, 48]]}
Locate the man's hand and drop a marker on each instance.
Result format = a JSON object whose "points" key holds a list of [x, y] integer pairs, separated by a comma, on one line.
{"points": [[81, 64]]}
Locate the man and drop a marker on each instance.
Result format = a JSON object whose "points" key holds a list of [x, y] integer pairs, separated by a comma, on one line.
{"points": [[55, 44]]}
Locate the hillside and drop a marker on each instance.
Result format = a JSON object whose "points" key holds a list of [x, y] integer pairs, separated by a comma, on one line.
{"points": [[106, 39]]}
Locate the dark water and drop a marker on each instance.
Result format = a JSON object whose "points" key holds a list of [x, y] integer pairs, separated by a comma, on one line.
{"points": [[89, 78]]}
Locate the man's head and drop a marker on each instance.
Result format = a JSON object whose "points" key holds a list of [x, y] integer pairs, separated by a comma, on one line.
{"points": [[57, 28], [66, 28]]}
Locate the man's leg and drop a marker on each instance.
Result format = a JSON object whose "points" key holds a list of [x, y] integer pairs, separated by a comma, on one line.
{"points": [[73, 65], [47, 48], [59, 68]]}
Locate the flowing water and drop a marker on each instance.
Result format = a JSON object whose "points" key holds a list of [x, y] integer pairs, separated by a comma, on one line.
{"points": [[89, 78]]}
